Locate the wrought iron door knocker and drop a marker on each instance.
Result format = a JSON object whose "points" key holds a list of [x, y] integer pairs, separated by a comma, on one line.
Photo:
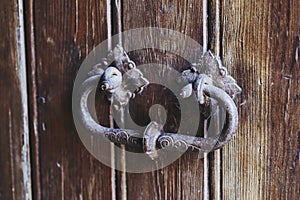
{"points": [[121, 81]]}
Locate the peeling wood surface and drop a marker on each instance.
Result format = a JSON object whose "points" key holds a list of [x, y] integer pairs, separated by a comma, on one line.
{"points": [[15, 174]]}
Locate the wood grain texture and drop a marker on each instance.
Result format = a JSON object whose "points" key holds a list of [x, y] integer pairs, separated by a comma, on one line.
{"points": [[15, 175], [261, 49], [183, 179], [60, 35], [259, 43]]}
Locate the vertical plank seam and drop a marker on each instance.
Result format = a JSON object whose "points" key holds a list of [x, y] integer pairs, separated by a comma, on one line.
{"points": [[111, 121], [11, 152], [123, 181], [109, 24], [217, 153], [219, 27], [118, 4], [87, 28], [205, 158], [205, 168], [205, 26], [33, 90], [25, 153]]}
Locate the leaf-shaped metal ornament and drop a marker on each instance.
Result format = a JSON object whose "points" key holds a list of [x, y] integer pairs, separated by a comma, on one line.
{"points": [[208, 70], [212, 66], [120, 79]]}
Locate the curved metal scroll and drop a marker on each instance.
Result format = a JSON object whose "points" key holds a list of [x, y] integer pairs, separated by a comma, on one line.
{"points": [[154, 138]]}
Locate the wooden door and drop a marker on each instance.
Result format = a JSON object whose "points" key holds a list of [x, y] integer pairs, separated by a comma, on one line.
{"points": [[43, 44]]}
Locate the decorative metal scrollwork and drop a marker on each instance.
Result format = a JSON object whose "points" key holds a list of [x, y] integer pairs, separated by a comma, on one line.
{"points": [[207, 78]]}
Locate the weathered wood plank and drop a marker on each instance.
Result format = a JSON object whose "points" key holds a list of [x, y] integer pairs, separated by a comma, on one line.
{"points": [[183, 179], [62, 33], [261, 48], [15, 182]]}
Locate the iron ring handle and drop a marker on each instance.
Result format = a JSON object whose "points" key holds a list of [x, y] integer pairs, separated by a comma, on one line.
{"points": [[231, 123], [154, 138]]}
